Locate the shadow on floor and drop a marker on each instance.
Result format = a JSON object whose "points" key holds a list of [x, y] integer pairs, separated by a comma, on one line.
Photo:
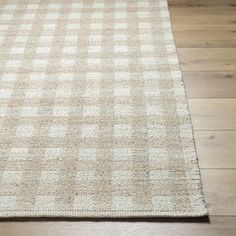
{"points": [[204, 219]]}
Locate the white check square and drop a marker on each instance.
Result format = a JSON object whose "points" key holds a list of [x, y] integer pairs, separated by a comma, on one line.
{"points": [[57, 130], [94, 61], [73, 26], [122, 130], [29, 111], [5, 93], [121, 49], [120, 26], [12, 177], [61, 111], [83, 202], [91, 111], [18, 154], [121, 91], [25, 131], [122, 203], [74, 15], [44, 202], [17, 50], [89, 130], [21, 39], [70, 50], [122, 153], [96, 26], [53, 153], [92, 92], [7, 202], [63, 91], [43, 50], [49, 26], [52, 16], [88, 154], [29, 16], [94, 49], [33, 93], [25, 27], [122, 110], [3, 111]]}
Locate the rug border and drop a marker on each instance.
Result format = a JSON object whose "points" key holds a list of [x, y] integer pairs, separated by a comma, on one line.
{"points": [[101, 214], [190, 117]]}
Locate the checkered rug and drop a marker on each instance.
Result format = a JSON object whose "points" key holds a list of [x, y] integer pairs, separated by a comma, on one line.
{"points": [[93, 114]]}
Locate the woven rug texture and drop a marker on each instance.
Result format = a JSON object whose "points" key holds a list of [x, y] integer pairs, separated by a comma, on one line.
{"points": [[94, 119]]}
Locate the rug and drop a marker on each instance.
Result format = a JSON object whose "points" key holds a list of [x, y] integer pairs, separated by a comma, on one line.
{"points": [[93, 114]]}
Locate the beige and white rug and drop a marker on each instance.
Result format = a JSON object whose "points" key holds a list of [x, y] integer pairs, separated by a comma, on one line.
{"points": [[93, 115]]}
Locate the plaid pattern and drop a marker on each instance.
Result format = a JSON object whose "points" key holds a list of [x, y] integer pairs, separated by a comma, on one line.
{"points": [[93, 115]]}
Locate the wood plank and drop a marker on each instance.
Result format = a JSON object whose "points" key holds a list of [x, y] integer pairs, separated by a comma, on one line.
{"points": [[203, 16], [219, 191], [201, 3], [204, 27], [216, 149], [192, 36], [214, 84], [207, 59], [218, 226], [213, 114]]}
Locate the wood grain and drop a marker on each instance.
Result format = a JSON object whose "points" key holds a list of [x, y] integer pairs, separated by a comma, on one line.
{"points": [[213, 114], [219, 191], [217, 226], [207, 59], [216, 149], [201, 3], [195, 36], [213, 84], [204, 16]]}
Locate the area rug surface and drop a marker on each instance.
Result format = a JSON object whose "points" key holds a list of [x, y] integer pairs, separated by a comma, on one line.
{"points": [[93, 114]]}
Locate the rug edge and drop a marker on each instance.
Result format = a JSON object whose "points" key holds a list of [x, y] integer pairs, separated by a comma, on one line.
{"points": [[86, 214]]}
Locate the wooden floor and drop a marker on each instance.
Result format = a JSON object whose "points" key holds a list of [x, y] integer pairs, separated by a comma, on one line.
{"points": [[205, 34]]}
